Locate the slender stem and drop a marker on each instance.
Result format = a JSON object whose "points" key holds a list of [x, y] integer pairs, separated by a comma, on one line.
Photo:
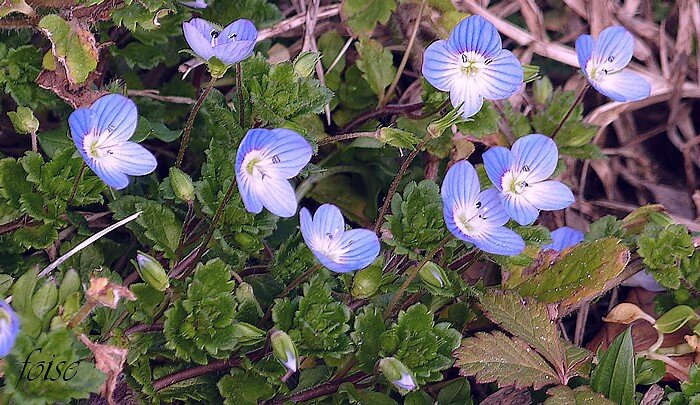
{"points": [[239, 90], [35, 144], [395, 183], [345, 137], [82, 313], [83, 166], [183, 234], [404, 60], [217, 216], [316, 267], [190, 122], [412, 275], [320, 390], [340, 54], [571, 110]]}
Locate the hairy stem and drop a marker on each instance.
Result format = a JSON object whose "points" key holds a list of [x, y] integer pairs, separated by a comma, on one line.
{"points": [[79, 177], [320, 390], [190, 122], [412, 275], [345, 137], [571, 110], [83, 312], [395, 183], [239, 91]]}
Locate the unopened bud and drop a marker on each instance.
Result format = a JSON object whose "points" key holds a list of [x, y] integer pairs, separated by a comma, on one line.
{"points": [[542, 90], [398, 374], [152, 272], [433, 275], [437, 127], [24, 120], [366, 282], [247, 334], [305, 64], [284, 350], [530, 73], [245, 294], [181, 184]]}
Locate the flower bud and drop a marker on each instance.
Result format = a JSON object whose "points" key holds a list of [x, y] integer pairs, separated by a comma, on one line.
{"points": [[284, 350], [366, 282], [245, 294], [398, 374], [530, 73], [433, 275], [24, 120], [305, 64], [542, 90], [181, 184], [437, 127], [152, 272], [247, 334]]}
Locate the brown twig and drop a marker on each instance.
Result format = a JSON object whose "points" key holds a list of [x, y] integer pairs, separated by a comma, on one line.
{"points": [[319, 390], [190, 122]]}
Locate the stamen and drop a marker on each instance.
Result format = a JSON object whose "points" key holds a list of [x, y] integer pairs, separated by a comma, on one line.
{"points": [[214, 34], [275, 159], [611, 58], [232, 36], [111, 128], [329, 235], [478, 204], [488, 61], [526, 168], [350, 242], [464, 58], [524, 184]]}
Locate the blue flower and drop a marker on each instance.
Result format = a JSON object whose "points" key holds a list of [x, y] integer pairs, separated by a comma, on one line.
{"points": [[563, 238], [102, 132], [644, 280], [230, 45], [194, 4], [265, 162], [9, 328], [477, 216], [338, 250], [602, 62], [521, 174], [472, 65]]}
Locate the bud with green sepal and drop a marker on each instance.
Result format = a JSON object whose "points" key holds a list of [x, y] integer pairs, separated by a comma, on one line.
{"points": [[152, 272], [247, 334], [398, 374], [181, 184], [305, 64], [367, 281], [433, 275], [284, 350], [436, 128]]}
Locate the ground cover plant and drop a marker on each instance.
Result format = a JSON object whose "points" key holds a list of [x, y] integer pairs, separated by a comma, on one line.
{"points": [[356, 202]]}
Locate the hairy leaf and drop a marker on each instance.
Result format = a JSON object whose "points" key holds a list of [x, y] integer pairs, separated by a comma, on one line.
{"points": [[614, 374]]}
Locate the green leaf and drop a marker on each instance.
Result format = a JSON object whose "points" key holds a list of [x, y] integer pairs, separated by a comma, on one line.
{"points": [[663, 248], [72, 44], [494, 357], [614, 374], [376, 64], [361, 16], [580, 273], [676, 318], [484, 122], [691, 388], [563, 395], [365, 397], [457, 392], [245, 387], [527, 319], [369, 326], [397, 138], [648, 371]]}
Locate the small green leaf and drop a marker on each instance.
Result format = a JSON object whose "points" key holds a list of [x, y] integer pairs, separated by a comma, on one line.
{"points": [[614, 375], [457, 392], [376, 64], [397, 138], [24, 120], [361, 16], [675, 318], [648, 371], [563, 395], [72, 44]]}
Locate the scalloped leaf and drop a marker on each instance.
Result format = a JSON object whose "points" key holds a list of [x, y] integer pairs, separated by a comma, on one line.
{"points": [[72, 44]]}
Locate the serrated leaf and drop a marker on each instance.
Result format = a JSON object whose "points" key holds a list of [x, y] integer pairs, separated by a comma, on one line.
{"points": [[368, 328], [494, 357], [563, 395], [614, 374], [528, 320], [579, 273], [72, 44], [361, 16], [376, 64]]}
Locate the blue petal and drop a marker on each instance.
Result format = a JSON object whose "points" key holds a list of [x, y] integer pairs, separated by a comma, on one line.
{"points": [[81, 122], [461, 184], [111, 176], [288, 152], [198, 36], [477, 34], [277, 195], [468, 94], [497, 161], [623, 86], [250, 199], [644, 280], [233, 52], [536, 154], [239, 30], [9, 330], [130, 158], [613, 49], [519, 208], [116, 118], [549, 195], [254, 139], [194, 4], [441, 66], [328, 221], [492, 212], [500, 241], [584, 49], [360, 248], [502, 77], [563, 238]]}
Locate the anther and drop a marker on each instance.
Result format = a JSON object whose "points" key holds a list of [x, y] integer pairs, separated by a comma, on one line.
{"points": [[275, 159], [464, 58], [526, 168]]}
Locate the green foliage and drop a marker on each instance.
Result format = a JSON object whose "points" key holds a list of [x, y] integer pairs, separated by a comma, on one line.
{"points": [[71, 46], [20, 67], [362, 16], [482, 123], [563, 395], [376, 65], [245, 387], [614, 375], [663, 249], [292, 259], [201, 324], [416, 221]]}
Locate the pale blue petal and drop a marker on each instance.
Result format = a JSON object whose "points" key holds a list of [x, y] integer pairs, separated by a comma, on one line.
{"points": [[467, 93], [277, 195], [289, 152], [492, 212], [328, 222], [519, 208], [644, 280], [500, 241], [461, 184], [451, 225], [239, 30], [9, 328], [441, 66], [81, 122], [308, 230], [584, 49], [623, 86], [250, 199], [360, 248], [550, 195], [233, 52], [254, 139], [130, 158], [537, 155], [477, 34], [613, 49], [116, 117], [111, 176], [563, 238], [497, 161], [198, 36], [194, 4], [502, 77]]}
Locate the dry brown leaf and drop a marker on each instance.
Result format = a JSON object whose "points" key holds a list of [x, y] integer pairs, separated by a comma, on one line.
{"points": [[110, 360]]}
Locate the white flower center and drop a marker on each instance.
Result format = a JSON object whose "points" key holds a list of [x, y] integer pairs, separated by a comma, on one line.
{"points": [[94, 146], [596, 70], [252, 164], [472, 63], [515, 182], [469, 218]]}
